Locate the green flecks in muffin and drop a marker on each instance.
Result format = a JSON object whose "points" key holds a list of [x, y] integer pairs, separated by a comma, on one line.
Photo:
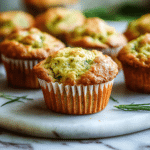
{"points": [[32, 38], [58, 77], [81, 32], [69, 63], [38, 43], [88, 63], [61, 24], [21, 20], [140, 48], [140, 26], [6, 24]]}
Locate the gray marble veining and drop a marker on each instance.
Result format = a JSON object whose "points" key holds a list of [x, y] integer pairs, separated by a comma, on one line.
{"points": [[136, 141]]}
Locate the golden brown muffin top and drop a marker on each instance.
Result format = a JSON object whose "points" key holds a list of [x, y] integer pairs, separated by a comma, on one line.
{"points": [[42, 3], [59, 21], [138, 27], [95, 33], [12, 20], [30, 44], [136, 52], [75, 66]]}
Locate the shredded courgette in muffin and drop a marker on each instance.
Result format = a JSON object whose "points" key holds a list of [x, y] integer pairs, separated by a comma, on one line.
{"points": [[33, 38], [141, 25], [99, 33], [69, 63], [6, 24], [140, 47], [56, 26]]}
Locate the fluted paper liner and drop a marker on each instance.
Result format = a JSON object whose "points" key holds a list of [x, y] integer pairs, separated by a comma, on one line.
{"points": [[20, 72], [77, 100]]}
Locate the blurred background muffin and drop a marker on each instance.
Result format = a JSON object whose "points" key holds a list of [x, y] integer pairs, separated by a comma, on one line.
{"points": [[135, 59], [108, 10], [138, 27], [72, 82], [36, 7], [95, 33], [23, 49], [59, 21], [14, 20]]}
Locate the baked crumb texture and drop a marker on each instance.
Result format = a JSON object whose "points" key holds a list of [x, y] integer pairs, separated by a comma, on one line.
{"points": [[59, 21], [23, 49], [76, 81], [74, 66], [14, 20], [30, 44], [138, 27], [37, 7], [95, 33], [135, 59]]}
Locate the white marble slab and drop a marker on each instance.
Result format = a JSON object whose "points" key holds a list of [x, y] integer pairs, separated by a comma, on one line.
{"points": [[33, 118]]}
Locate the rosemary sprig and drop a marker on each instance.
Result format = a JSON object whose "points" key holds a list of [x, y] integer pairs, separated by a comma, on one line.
{"points": [[113, 99], [134, 107], [13, 98]]}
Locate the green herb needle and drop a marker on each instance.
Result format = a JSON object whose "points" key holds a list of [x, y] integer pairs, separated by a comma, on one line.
{"points": [[13, 98], [134, 107], [113, 99]]}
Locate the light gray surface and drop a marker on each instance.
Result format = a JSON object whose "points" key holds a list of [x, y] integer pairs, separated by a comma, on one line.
{"points": [[33, 117], [12, 140]]}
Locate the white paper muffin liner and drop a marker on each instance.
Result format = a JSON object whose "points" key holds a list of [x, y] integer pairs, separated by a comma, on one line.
{"points": [[113, 52], [20, 72], [76, 99]]}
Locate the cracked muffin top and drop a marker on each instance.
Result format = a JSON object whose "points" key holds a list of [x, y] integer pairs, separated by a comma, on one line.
{"points": [[95, 33], [75, 66], [30, 44], [59, 21], [13, 20], [137, 52], [138, 27]]}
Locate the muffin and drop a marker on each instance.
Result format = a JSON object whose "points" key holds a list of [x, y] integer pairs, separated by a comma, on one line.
{"points": [[23, 49], [36, 7], [135, 59], [76, 81], [59, 21], [96, 34], [138, 27], [13, 20]]}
